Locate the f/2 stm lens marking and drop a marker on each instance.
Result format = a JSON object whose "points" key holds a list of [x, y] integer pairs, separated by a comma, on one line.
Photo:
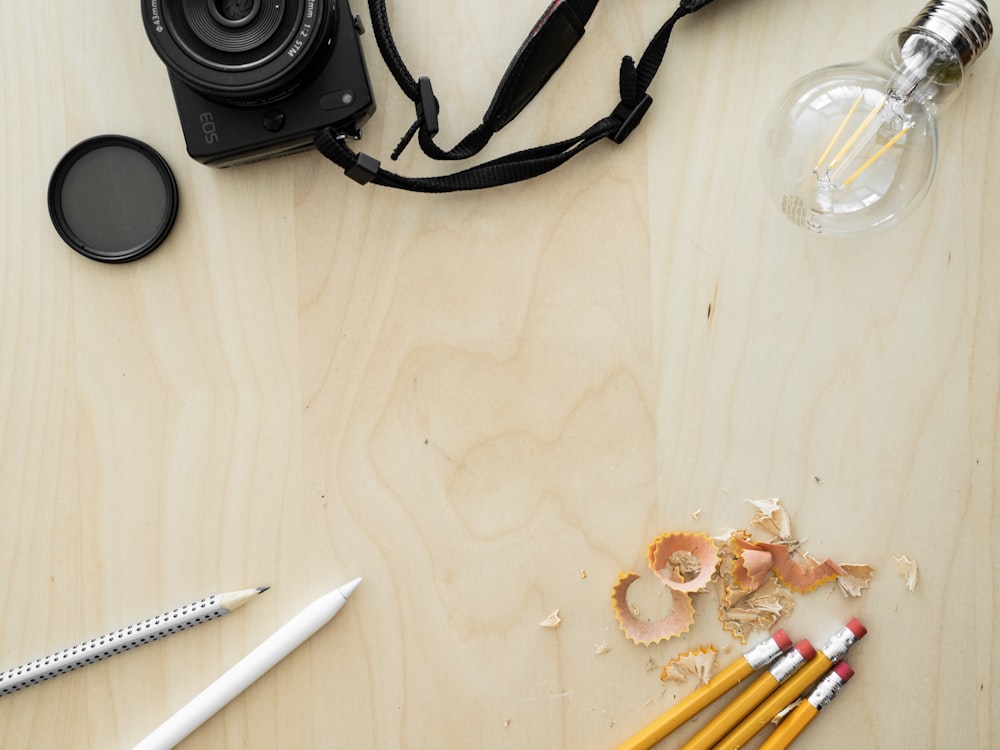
{"points": [[298, 44], [304, 31], [209, 128]]}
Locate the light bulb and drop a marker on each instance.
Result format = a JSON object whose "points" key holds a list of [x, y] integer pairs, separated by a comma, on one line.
{"points": [[853, 148]]}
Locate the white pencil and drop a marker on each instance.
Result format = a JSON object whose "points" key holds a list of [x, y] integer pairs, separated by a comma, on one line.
{"points": [[277, 646], [82, 654]]}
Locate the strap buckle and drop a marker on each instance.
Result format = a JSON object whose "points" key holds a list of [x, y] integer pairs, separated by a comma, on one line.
{"points": [[629, 117]]}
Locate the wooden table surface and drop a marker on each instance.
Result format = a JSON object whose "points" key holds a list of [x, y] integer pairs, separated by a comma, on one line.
{"points": [[488, 404]]}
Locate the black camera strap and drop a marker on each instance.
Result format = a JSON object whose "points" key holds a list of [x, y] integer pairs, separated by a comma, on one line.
{"points": [[547, 46]]}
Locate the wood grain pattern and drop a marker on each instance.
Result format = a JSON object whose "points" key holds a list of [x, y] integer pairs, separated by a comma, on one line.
{"points": [[470, 400]]}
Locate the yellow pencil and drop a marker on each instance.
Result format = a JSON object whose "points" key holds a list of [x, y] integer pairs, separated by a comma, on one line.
{"points": [[745, 702], [757, 657], [831, 653], [793, 724]]}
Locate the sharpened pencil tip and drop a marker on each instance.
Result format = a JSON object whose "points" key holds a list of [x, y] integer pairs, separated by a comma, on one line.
{"points": [[262, 589]]}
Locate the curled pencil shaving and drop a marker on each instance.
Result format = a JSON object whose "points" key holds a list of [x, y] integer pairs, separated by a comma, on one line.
{"points": [[644, 632], [908, 569], [802, 577], [683, 561], [751, 564], [752, 561], [755, 582], [700, 663]]}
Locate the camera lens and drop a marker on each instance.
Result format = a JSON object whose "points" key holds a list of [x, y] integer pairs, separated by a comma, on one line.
{"points": [[232, 26], [234, 13], [244, 52]]}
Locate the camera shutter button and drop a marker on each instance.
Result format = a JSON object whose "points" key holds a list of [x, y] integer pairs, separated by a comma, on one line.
{"points": [[273, 120]]}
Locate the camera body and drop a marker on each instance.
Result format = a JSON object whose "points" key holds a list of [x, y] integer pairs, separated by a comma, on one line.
{"points": [[241, 99]]}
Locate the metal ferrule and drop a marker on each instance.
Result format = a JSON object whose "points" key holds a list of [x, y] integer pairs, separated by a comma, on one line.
{"points": [[839, 644], [964, 24], [763, 653], [826, 690], [787, 665]]}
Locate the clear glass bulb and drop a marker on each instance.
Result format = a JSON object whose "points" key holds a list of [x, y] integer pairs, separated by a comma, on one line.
{"points": [[853, 148]]}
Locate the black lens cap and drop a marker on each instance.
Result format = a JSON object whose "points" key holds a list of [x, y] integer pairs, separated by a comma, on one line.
{"points": [[113, 198]]}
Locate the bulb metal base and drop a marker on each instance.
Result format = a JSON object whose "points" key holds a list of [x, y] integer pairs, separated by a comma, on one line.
{"points": [[964, 24]]}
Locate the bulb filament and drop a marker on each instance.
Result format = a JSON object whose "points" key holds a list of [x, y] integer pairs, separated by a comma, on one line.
{"points": [[829, 173], [878, 155]]}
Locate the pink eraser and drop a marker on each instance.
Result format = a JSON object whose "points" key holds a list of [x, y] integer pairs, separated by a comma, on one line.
{"points": [[857, 628], [844, 671], [780, 637], [805, 648]]}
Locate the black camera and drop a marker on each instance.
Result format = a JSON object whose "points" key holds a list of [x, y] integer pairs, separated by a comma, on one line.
{"points": [[256, 79]]}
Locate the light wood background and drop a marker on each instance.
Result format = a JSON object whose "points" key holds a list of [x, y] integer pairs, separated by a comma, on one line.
{"points": [[471, 399]]}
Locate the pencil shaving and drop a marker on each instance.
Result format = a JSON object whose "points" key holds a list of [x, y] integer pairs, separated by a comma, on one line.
{"points": [[804, 575], [758, 610], [785, 711], [756, 587], [853, 579], [751, 564], [684, 562], [908, 568], [755, 582], [700, 663], [644, 632], [552, 621], [772, 517]]}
